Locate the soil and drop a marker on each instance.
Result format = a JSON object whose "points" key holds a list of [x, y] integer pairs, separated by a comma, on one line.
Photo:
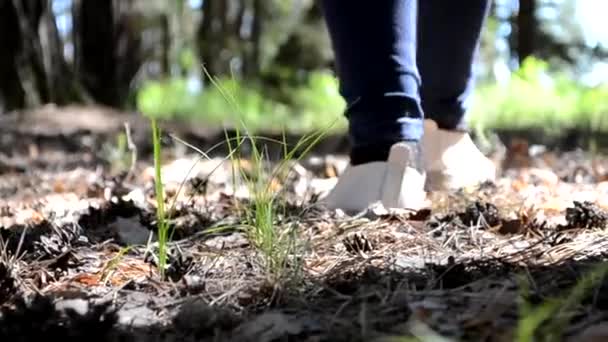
{"points": [[79, 249]]}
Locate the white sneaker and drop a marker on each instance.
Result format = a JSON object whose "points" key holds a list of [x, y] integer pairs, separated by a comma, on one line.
{"points": [[396, 183], [452, 160]]}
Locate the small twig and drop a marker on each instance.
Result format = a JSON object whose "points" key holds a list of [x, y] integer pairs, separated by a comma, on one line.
{"points": [[227, 294], [133, 148]]}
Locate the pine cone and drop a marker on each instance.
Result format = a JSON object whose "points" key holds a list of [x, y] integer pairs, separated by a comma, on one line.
{"points": [[357, 243], [586, 215], [475, 210]]}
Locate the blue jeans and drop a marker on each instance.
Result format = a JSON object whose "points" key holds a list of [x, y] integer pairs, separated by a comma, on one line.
{"points": [[399, 61]]}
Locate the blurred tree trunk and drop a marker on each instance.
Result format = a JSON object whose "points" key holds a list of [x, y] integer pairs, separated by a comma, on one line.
{"points": [[12, 95], [311, 36], [229, 36], [106, 48], [176, 42], [94, 48], [61, 86], [252, 62], [128, 48], [34, 64], [527, 26], [29, 55], [165, 60], [211, 35], [249, 37]]}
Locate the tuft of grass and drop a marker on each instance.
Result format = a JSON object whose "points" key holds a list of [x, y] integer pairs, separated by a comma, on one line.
{"points": [[162, 220], [150, 109], [276, 241]]}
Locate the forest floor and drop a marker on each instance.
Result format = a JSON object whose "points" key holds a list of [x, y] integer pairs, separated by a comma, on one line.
{"points": [[79, 251]]}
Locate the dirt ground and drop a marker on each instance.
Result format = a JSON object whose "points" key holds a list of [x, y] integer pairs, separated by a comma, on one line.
{"points": [[78, 257]]}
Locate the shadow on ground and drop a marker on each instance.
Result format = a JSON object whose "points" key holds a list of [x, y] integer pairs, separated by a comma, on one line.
{"points": [[468, 302]]}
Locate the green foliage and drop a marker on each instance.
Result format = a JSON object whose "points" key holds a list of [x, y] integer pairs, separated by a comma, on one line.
{"points": [[533, 97], [536, 97], [187, 58], [318, 102], [255, 111], [165, 99], [310, 106]]}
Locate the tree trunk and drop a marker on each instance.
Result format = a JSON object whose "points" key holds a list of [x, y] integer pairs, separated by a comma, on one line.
{"points": [[30, 65], [128, 48], [106, 48], [208, 35], [253, 59], [33, 63], [165, 60], [12, 95], [527, 26], [219, 36], [59, 78], [94, 48]]}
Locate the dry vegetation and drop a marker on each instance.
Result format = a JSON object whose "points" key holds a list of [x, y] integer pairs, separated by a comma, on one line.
{"points": [[79, 257]]}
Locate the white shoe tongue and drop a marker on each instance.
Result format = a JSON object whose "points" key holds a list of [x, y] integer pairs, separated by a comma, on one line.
{"points": [[397, 183], [403, 185]]}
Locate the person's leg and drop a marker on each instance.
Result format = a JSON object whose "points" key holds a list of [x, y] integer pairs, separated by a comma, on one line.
{"points": [[375, 50], [448, 41]]}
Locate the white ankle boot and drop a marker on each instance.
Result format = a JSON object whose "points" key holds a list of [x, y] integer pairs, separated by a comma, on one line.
{"points": [[396, 183], [451, 159]]}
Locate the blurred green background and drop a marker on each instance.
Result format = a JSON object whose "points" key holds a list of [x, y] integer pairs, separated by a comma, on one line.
{"points": [[541, 64]]}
